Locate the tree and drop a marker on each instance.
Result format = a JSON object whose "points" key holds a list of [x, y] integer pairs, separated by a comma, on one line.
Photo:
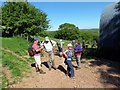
{"points": [[89, 36], [67, 31], [22, 17]]}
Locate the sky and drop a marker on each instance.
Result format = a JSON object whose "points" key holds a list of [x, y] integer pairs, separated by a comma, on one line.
{"points": [[85, 15]]}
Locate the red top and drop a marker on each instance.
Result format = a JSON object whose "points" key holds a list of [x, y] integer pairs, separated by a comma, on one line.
{"points": [[35, 46], [77, 53]]}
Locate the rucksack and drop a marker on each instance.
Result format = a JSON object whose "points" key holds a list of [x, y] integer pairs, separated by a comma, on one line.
{"points": [[50, 42], [31, 51]]}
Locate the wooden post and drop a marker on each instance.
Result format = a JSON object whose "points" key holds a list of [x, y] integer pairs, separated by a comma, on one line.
{"points": [[27, 38]]}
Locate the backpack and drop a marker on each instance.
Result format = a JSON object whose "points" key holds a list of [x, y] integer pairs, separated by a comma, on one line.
{"points": [[51, 42], [31, 51]]}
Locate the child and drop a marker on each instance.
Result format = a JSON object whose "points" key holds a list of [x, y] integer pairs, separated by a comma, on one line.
{"points": [[68, 61]]}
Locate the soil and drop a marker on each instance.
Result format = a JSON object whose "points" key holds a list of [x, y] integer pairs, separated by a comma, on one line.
{"points": [[94, 73]]}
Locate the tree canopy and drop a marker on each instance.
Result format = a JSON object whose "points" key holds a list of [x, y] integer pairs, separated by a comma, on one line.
{"points": [[22, 17], [67, 31]]}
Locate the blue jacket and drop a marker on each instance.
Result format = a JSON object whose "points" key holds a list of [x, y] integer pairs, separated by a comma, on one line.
{"points": [[69, 54], [78, 48]]}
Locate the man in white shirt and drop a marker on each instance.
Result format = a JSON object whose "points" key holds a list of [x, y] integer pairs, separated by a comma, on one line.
{"points": [[48, 45]]}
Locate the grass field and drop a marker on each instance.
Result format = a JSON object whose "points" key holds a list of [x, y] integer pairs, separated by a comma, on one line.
{"points": [[17, 45], [17, 67]]}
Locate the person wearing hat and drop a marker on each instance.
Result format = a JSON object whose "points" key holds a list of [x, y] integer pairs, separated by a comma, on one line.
{"points": [[68, 61], [37, 49], [48, 45]]}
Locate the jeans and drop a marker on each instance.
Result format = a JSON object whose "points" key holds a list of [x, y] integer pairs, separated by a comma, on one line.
{"points": [[78, 60], [70, 69]]}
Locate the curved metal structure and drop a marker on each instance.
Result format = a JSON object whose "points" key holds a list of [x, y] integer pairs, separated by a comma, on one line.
{"points": [[110, 31]]}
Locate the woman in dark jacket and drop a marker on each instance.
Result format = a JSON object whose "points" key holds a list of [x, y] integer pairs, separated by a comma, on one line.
{"points": [[78, 52]]}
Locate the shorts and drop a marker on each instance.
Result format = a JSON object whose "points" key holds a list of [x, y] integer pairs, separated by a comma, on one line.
{"points": [[37, 60]]}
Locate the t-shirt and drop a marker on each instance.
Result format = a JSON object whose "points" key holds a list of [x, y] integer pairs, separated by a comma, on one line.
{"points": [[35, 46], [48, 46], [69, 54], [61, 44]]}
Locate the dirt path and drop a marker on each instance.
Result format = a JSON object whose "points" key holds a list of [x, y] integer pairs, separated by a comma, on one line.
{"points": [[13, 53], [89, 76]]}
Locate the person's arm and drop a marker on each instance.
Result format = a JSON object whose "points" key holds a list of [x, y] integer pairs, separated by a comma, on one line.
{"points": [[64, 53], [39, 49]]}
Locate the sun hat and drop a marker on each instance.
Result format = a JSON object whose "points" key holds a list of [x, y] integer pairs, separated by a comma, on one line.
{"points": [[69, 45], [60, 40], [46, 38]]}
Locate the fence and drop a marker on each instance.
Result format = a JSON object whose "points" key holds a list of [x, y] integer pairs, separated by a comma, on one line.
{"points": [[25, 36]]}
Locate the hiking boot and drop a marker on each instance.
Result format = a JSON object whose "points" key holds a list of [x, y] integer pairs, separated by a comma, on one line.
{"points": [[41, 65], [72, 77], [42, 72], [66, 74], [37, 70], [49, 69], [78, 68]]}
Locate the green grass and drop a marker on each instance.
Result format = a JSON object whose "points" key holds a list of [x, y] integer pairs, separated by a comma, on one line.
{"points": [[5, 82], [17, 45], [18, 67], [15, 64]]}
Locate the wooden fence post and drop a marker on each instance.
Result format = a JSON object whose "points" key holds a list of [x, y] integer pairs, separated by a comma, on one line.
{"points": [[21, 35], [27, 38]]}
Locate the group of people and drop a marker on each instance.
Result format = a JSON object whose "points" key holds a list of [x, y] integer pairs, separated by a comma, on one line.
{"points": [[47, 46]]}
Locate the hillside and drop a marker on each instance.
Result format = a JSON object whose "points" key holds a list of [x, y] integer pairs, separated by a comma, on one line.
{"points": [[19, 70], [93, 31], [14, 60]]}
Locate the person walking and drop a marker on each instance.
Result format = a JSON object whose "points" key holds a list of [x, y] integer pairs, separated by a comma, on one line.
{"points": [[60, 47], [37, 57], [68, 61], [78, 52], [73, 43], [48, 45]]}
